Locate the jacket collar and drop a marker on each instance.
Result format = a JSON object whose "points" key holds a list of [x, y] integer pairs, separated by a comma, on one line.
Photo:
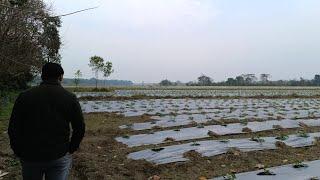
{"points": [[50, 82]]}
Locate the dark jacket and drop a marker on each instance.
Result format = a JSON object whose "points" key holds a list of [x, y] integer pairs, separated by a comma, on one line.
{"points": [[39, 127]]}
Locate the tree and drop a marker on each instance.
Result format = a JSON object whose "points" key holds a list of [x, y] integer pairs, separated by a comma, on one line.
{"points": [[316, 80], [77, 76], [166, 82], [240, 81], [231, 82], [264, 78], [191, 83], [29, 37], [249, 78], [204, 80], [96, 64], [178, 83], [107, 70]]}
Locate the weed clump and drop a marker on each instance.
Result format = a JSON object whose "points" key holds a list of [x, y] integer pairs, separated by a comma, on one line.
{"points": [[257, 139], [157, 149], [266, 172], [299, 164]]}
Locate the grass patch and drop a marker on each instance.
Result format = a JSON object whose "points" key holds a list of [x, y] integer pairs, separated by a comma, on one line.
{"points": [[90, 89], [6, 105]]}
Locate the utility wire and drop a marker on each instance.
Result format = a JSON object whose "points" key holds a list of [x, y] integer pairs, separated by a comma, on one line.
{"points": [[75, 12], [62, 15]]}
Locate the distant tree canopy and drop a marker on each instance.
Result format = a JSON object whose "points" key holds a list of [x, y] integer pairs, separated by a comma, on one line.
{"points": [[264, 78], [316, 80], [97, 65], [29, 37], [92, 82], [252, 80], [107, 70], [166, 82], [77, 76], [204, 81]]}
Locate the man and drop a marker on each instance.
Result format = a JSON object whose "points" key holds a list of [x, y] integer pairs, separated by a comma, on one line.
{"points": [[39, 127]]}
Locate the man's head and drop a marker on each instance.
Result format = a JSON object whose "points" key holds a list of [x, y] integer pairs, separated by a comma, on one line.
{"points": [[52, 71]]}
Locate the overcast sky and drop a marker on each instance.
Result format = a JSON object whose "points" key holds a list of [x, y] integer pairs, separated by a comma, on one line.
{"points": [[150, 40]]}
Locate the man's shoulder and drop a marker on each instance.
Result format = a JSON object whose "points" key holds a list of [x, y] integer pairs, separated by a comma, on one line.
{"points": [[72, 95], [24, 95], [38, 89], [27, 91], [30, 91]]}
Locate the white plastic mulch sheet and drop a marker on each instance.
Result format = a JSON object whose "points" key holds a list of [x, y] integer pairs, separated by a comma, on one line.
{"points": [[217, 91], [202, 132], [175, 153], [185, 119], [93, 94], [221, 107], [286, 172]]}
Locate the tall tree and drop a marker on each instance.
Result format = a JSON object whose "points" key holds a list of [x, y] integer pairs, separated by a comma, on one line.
{"points": [[231, 82], [204, 80], [29, 37], [107, 70], [316, 80], [264, 78], [249, 78], [240, 80], [77, 76], [165, 82], [96, 64]]}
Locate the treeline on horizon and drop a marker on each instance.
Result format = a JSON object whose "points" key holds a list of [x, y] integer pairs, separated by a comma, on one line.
{"points": [[92, 82], [245, 80], [89, 82]]}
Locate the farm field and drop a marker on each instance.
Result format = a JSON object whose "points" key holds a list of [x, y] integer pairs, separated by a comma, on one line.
{"points": [[199, 91], [308, 170], [182, 137], [201, 132], [169, 90]]}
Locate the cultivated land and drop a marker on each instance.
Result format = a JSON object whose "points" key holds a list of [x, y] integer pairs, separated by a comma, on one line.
{"points": [[190, 133]]}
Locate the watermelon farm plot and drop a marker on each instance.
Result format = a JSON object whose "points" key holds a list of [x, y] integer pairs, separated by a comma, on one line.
{"points": [[175, 153], [218, 92], [167, 133], [208, 92], [233, 107], [296, 171], [213, 130]]}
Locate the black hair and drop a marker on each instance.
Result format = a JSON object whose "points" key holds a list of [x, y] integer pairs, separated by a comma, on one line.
{"points": [[51, 71]]}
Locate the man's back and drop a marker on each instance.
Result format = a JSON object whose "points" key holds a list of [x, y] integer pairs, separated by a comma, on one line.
{"points": [[39, 125]]}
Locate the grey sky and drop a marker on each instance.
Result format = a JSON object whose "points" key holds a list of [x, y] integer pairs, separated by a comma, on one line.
{"points": [[149, 40]]}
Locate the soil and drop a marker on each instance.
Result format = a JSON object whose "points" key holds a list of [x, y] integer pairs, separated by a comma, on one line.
{"points": [[102, 157]]}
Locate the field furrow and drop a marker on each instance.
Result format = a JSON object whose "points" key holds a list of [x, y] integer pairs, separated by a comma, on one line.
{"points": [[177, 153], [212, 131], [299, 171]]}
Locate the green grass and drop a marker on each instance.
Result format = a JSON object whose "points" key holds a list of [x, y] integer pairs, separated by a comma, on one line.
{"points": [[90, 89], [6, 105], [5, 111]]}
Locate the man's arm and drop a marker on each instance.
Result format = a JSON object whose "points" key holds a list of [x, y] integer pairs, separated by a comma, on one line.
{"points": [[78, 126], [15, 127]]}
